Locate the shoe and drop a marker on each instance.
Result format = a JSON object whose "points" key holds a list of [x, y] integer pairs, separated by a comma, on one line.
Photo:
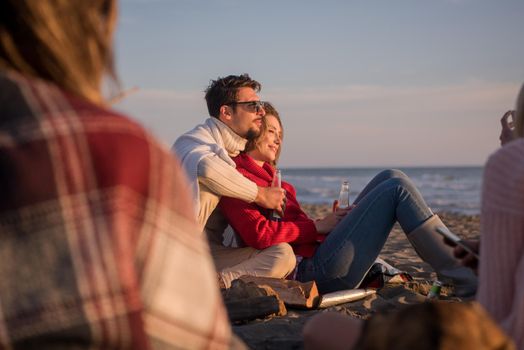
{"points": [[431, 248]]}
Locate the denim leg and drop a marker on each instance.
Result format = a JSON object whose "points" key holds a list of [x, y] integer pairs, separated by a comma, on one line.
{"points": [[378, 179], [348, 252]]}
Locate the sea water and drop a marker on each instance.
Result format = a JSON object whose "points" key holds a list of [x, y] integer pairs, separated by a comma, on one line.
{"points": [[451, 189]]}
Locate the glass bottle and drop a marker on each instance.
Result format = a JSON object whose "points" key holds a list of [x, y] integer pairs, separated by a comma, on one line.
{"points": [[343, 197], [276, 182], [434, 292]]}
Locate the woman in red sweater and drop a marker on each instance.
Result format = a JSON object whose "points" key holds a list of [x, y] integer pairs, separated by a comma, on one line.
{"points": [[352, 238]]}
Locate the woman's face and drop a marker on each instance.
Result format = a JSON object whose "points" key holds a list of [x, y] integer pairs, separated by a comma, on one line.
{"points": [[267, 146]]}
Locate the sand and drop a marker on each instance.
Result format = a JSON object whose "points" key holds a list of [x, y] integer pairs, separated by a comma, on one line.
{"points": [[285, 332]]}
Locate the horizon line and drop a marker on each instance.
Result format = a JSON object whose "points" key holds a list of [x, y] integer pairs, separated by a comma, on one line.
{"points": [[380, 166]]}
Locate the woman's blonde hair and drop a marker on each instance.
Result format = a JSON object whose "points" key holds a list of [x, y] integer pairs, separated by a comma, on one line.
{"points": [[67, 42], [252, 144], [519, 114]]}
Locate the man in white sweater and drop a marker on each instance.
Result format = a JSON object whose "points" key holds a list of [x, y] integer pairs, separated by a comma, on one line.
{"points": [[205, 152]]}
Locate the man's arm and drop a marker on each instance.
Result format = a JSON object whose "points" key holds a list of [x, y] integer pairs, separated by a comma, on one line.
{"points": [[224, 180], [259, 232], [271, 198]]}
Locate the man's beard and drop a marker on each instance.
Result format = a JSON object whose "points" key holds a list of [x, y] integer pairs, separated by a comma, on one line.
{"points": [[252, 134]]}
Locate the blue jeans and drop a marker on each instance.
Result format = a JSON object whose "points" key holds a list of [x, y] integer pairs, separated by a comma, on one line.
{"points": [[350, 249]]}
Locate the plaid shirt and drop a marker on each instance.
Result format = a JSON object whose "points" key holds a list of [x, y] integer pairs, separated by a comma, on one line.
{"points": [[98, 248]]}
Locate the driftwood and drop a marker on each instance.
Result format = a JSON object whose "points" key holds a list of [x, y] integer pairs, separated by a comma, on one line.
{"points": [[246, 301], [293, 293], [252, 308]]}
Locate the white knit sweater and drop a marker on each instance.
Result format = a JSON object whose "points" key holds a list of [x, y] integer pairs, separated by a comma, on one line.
{"points": [[205, 153]]}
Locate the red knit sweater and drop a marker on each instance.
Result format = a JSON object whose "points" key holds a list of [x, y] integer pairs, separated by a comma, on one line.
{"points": [[252, 222]]}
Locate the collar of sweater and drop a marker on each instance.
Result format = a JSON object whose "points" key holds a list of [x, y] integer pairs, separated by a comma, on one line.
{"points": [[265, 172], [233, 143]]}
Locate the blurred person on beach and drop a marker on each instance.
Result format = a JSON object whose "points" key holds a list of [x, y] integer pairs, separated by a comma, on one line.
{"points": [[351, 238], [98, 236], [437, 325], [206, 152], [501, 264]]}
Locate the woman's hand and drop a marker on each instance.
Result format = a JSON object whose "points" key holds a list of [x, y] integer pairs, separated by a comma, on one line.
{"points": [[330, 330], [466, 259], [506, 133], [327, 224], [343, 212]]}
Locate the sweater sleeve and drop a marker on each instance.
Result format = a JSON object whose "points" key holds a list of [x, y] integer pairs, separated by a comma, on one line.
{"points": [[501, 270], [252, 224], [224, 180]]}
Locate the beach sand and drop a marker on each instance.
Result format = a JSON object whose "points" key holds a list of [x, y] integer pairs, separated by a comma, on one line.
{"points": [[285, 332]]}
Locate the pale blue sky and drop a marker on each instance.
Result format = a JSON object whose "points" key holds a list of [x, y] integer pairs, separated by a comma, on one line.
{"points": [[358, 83]]}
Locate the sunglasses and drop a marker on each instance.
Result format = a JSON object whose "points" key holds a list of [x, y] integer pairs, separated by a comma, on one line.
{"points": [[255, 106]]}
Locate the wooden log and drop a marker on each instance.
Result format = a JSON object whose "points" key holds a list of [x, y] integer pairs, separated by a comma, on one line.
{"points": [[251, 308], [293, 293], [241, 289], [246, 301]]}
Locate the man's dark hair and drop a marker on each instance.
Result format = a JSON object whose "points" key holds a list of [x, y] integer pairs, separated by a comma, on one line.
{"points": [[225, 90]]}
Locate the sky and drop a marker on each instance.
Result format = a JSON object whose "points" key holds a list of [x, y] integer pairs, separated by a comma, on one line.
{"points": [[357, 83]]}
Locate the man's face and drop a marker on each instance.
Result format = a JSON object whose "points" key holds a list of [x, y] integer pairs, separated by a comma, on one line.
{"points": [[244, 119]]}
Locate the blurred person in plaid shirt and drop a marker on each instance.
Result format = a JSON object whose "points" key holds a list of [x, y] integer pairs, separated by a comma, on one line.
{"points": [[99, 248]]}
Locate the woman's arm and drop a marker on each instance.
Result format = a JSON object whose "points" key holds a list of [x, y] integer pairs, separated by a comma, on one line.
{"points": [[501, 287]]}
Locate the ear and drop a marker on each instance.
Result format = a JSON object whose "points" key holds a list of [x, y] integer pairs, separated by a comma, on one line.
{"points": [[225, 114]]}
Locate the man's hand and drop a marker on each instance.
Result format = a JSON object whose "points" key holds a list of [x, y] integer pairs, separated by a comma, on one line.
{"points": [[506, 133], [466, 259], [271, 198]]}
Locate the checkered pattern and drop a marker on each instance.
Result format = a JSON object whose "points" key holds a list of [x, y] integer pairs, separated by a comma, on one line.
{"points": [[98, 248]]}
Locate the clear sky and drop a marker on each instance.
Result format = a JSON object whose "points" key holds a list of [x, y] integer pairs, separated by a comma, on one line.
{"points": [[357, 83]]}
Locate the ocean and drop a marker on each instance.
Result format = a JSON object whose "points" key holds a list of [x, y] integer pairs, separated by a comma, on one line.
{"points": [[451, 189]]}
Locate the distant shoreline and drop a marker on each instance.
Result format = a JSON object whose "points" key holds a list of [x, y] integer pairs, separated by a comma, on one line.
{"points": [[380, 167], [453, 189]]}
